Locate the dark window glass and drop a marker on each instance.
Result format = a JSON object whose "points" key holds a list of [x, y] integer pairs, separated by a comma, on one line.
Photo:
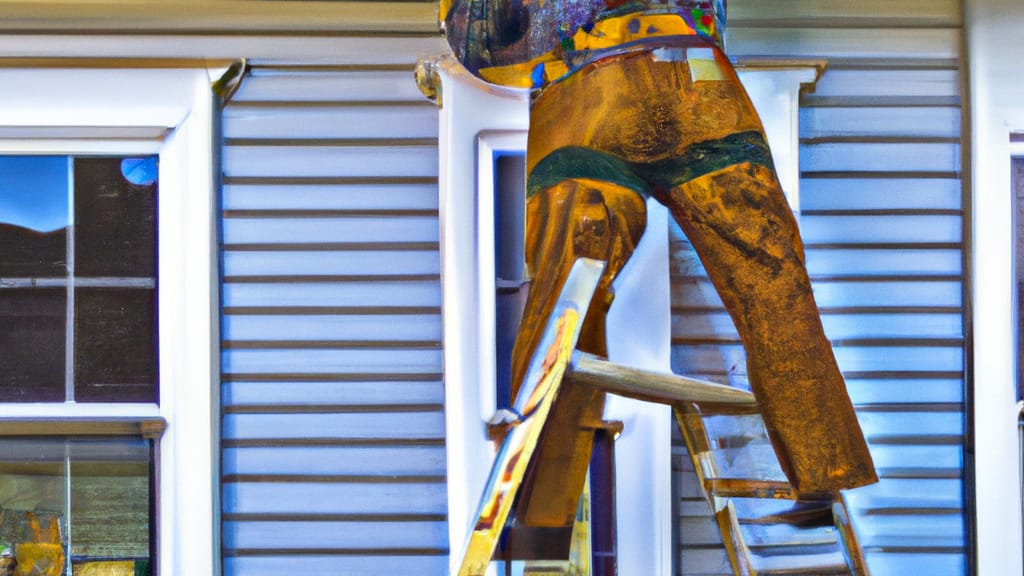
{"points": [[509, 263], [115, 221], [87, 500], [1017, 181], [32, 344], [115, 347], [97, 276]]}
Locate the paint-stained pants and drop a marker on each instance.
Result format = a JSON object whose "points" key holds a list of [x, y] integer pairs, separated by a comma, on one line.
{"points": [[674, 123]]}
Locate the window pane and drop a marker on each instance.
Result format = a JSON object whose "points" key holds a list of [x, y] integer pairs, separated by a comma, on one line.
{"points": [[32, 501], [509, 263], [115, 345], [32, 344], [91, 497], [33, 216], [115, 221], [110, 502]]}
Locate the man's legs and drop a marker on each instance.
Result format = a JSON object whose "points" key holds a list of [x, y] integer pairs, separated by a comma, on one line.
{"points": [[570, 220], [741, 227]]}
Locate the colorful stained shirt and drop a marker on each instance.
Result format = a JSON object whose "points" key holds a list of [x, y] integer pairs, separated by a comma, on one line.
{"points": [[531, 43]]}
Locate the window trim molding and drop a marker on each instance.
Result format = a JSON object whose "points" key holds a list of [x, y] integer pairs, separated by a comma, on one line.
{"points": [[994, 110], [179, 104], [467, 220]]}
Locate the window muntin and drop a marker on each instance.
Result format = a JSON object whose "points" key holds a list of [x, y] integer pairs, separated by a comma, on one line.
{"points": [[78, 279]]}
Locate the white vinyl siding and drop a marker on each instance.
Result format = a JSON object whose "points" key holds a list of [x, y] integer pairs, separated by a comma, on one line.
{"points": [[333, 406]]}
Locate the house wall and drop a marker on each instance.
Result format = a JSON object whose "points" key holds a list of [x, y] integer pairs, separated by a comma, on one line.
{"points": [[333, 448], [883, 222], [333, 423]]}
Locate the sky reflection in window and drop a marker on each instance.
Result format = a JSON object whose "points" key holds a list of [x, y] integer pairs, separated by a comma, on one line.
{"points": [[34, 192]]}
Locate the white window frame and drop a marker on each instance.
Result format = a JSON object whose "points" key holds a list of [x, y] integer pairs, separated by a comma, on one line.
{"points": [[467, 268], [170, 110], [476, 120], [995, 110]]}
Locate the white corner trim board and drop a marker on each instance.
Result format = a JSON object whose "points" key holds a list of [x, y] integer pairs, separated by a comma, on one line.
{"points": [[996, 109]]}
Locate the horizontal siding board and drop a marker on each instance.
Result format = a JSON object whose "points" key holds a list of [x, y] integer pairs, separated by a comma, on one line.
{"points": [[878, 426], [340, 121], [698, 530], [909, 493], [880, 194], [897, 262], [262, 50], [859, 157], [936, 564], [350, 565], [853, 262], [909, 391], [893, 293], [333, 328], [331, 361], [298, 85], [328, 161], [894, 326], [940, 359], [934, 43], [842, 294], [933, 12], [949, 458], [704, 562], [700, 360], [334, 498], [872, 229], [924, 122], [895, 82], [837, 326], [340, 535], [323, 262], [331, 393], [937, 530], [330, 230], [870, 102], [898, 358], [418, 293], [327, 197], [337, 460], [367, 425]]}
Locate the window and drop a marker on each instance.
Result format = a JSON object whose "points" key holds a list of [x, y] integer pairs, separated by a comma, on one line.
{"points": [[78, 262], [78, 301], [1017, 183], [511, 283], [124, 302]]}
